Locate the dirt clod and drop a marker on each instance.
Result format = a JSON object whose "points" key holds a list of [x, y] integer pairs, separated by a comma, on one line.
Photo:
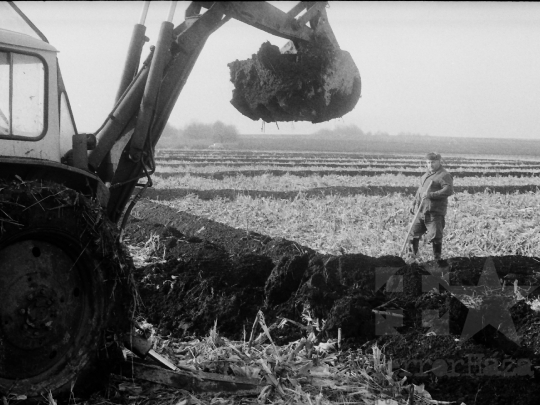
{"points": [[316, 84]]}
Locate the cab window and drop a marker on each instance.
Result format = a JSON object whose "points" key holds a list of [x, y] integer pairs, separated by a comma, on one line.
{"points": [[22, 96]]}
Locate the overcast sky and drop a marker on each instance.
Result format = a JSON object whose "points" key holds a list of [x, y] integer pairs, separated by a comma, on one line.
{"points": [[441, 69]]}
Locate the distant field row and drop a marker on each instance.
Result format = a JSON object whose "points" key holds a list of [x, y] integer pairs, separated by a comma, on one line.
{"points": [[249, 163], [171, 194], [344, 161], [191, 154], [290, 182], [288, 159], [221, 172], [477, 225]]}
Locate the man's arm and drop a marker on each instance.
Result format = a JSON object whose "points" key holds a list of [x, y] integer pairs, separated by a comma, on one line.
{"points": [[447, 189]]}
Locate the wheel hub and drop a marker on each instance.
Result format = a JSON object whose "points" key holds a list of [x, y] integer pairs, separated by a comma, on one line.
{"points": [[43, 307], [35, 318]]}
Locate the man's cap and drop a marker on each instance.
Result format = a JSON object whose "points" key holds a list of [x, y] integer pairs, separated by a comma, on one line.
{"points": [[433, 156]]}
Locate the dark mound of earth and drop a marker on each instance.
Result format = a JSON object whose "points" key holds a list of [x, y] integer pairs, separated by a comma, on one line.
{"points": [[316, 84], [458, 326]]}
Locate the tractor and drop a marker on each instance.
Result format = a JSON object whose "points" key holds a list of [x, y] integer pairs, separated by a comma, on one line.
{"points": [[65, 197]]}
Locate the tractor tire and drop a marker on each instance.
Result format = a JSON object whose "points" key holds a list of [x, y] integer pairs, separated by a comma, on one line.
{"points": [[65, 289]]}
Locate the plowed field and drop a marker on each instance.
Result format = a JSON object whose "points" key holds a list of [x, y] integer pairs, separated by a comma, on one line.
{"points": [[465, 327]]}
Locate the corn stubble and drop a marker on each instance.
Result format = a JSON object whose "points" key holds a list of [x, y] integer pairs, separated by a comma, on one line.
{"points": [[301, 372], [476, 224], [290, 182]]}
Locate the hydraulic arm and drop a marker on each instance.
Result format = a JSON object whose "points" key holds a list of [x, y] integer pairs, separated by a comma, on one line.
{"points": [[129, 135]]}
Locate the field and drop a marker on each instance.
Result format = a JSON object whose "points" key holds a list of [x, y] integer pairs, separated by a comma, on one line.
{"points": [[335, 203], [305, 238]]}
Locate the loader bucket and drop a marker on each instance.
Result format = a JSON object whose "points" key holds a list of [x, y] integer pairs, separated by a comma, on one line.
{"points": [[316, 82]]}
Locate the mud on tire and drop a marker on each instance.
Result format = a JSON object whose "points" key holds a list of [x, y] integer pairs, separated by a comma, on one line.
{"points": [[65, 283]]}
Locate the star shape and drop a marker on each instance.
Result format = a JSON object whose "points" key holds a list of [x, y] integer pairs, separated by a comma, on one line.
{"points": [[492, 302]]}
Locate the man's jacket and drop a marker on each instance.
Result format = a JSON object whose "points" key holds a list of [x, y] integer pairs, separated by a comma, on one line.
{"points": [[441, 188]]}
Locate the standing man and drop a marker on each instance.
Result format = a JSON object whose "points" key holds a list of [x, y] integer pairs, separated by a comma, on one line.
{"points": [[433, 203]]}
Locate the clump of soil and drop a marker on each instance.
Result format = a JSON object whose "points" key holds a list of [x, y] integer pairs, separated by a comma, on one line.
{"points": [[316, 84], [208, 272]]}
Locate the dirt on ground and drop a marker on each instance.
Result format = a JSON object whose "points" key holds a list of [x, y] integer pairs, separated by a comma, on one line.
{"points": [[316, 84], [460, 326]]}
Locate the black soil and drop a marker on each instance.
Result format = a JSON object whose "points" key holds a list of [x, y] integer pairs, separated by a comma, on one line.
{"points": [[209, 271], [316, 84]]}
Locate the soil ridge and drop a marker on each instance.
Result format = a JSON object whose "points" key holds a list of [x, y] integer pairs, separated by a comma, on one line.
{"points": [[209, 271]]}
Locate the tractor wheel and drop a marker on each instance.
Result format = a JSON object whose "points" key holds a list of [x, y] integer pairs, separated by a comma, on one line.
{"points": [[65, 283]]}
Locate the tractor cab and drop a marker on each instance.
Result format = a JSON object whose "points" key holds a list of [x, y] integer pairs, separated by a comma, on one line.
{"points": [[35, 116]]}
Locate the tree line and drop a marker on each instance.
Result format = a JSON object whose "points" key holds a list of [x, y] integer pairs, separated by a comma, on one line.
{"points": [[353, 131], [197, 134]]}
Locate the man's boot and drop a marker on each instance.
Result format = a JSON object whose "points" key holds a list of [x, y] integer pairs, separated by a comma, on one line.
{"points": [[437, 251], [413, 250]]}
